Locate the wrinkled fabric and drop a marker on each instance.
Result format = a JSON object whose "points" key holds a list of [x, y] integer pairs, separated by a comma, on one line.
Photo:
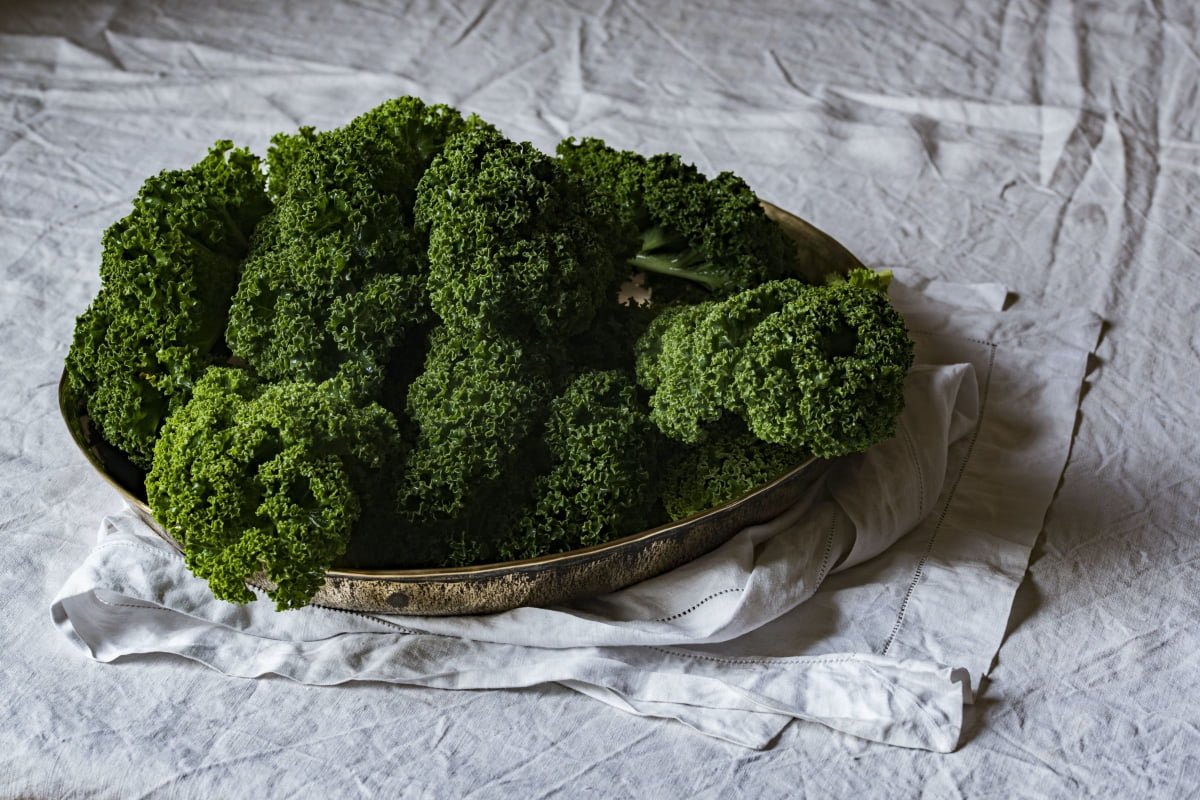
{"points": [[967, 489], [1048, 146]]}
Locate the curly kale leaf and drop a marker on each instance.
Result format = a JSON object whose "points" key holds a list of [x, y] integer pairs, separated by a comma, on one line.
{"points": [[310, 309], [601, 481], [819, 368], [478, 407], [336, 282], [285, 150], [266, 478], [511, 244], [710, 232], [826, 373], [167, 272], [730, 463], [689, 353], [390, 146]]}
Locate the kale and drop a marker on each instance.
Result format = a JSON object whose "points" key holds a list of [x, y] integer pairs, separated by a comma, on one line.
{"points": [[728, 464], [411, 343], [511, 244], [167, 272], [818, 368], [601, 481], [679, 224], [253, 477], [336, 279]]}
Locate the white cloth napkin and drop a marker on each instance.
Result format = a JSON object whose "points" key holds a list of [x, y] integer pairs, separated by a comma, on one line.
{"points": [[873, 606]]}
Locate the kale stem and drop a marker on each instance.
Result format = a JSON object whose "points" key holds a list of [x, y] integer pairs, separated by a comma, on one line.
{"points": [[677, 265], [658, 237]]}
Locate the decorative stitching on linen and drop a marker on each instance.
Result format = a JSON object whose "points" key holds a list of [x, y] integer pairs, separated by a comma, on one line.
{"points": [[984, 342], [130, 605], [687, 611], [912, 452], [382, 621], [276, 638], [149, 548], [833, 523], [755, 661], [920, 569]]}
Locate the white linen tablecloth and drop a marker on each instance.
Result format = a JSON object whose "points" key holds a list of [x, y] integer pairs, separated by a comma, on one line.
{"points": [[1051, 147]]}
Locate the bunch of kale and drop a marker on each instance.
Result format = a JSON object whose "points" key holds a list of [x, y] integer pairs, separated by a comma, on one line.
{"points": [[402, 343]]}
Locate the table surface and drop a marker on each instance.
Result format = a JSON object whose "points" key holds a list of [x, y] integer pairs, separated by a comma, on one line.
{"points": [[1050, 146]]}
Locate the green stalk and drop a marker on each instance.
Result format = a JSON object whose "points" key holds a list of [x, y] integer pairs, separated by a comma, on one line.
{"points": [[677, 265]]}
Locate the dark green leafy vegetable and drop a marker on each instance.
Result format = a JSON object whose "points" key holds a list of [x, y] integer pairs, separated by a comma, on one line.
{"points": [[826, 373], [167, 272], [712, 232], [601, 482], [511, 244], [515, 267], [730, 463], [336, 279], [689, 354], [251, 477], [819, 368], [480, 399], [409, 345]]}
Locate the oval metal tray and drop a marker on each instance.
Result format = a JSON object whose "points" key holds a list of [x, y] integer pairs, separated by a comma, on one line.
{"points": [[547, 580]]}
